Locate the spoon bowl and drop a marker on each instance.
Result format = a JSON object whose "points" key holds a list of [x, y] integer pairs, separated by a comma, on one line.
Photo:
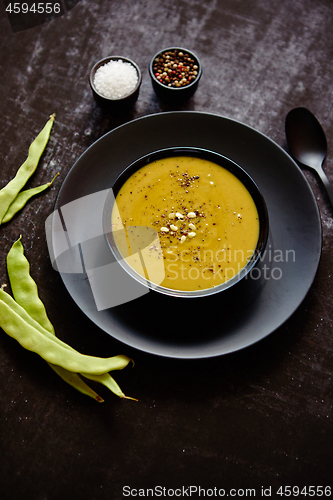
{"points": [[307, 142]]}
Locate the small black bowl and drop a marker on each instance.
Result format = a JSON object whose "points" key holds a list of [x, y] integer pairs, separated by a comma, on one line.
{"points": [[115, 103], [172, 94], [219, 159]]}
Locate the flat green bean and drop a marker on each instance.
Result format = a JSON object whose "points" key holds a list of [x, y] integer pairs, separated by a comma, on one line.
{"points": [[23, 286], [31, 309], [76, 381], [9, 192], [22, 198], [56, 352], [18, 309], [71, 378], [104, 379], [109, 382]]}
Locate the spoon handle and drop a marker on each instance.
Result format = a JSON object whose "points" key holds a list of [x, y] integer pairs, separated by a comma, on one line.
{"points": [[326, 183]]}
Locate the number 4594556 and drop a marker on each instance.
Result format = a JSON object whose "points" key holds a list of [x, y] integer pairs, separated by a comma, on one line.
{"points": [[35, 8], [311, 491]]}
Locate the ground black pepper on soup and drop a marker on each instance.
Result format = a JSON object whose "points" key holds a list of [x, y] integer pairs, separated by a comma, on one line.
{"points": [[203, 223]]}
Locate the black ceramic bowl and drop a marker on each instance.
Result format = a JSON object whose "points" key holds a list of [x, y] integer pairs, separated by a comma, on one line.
{"points": [[166, 90], [118, 103], [228, 164]]}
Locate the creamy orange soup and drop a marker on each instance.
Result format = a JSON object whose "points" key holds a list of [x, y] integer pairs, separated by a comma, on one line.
{"points": [[185, 223]]}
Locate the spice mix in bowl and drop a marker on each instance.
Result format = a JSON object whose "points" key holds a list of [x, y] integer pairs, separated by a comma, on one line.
{"points": [[175, 73]]}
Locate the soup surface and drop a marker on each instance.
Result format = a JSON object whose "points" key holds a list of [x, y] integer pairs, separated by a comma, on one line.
{"points": [[185, 223]]}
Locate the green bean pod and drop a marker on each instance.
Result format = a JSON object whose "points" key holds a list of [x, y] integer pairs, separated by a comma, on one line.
{"points": [[76, 381], [29, 306], [53, 352], [18, 309], [23, 286], [22, 198], [109, 382], [9, 192], [72, 379]]}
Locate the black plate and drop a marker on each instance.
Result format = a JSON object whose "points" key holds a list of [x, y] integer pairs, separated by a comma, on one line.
{"points": [[181, 328]]}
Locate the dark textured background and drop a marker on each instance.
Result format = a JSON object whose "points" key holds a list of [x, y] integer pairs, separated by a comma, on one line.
{"points": [[260, 417]]}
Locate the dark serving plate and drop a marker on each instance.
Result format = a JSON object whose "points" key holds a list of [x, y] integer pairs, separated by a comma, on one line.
{"points": [[220, 324]]}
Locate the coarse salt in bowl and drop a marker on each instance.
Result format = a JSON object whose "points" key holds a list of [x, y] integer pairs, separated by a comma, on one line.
{"points": [[115, 80]]}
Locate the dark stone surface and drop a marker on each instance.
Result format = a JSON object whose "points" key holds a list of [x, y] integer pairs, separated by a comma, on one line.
{"points": [[259, 417]]}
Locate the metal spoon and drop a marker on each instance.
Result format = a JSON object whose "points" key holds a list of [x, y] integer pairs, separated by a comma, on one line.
{"points": [[307, 142]]}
